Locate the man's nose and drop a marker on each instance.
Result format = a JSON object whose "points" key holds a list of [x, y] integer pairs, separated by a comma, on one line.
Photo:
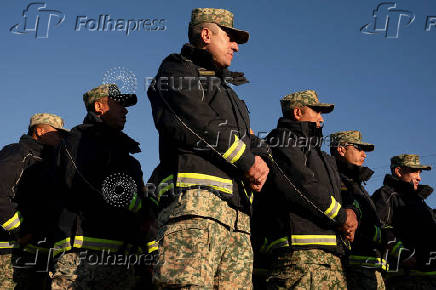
{"points": [[321, 119], [234, 46]]}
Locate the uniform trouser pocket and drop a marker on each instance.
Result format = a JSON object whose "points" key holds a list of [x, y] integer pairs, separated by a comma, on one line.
{"points": [[183, 252]]}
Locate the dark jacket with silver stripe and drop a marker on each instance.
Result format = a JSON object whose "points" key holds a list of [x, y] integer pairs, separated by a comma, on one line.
{"points": [[26, 189], [103, 188], [308, 212], [193, 106]]}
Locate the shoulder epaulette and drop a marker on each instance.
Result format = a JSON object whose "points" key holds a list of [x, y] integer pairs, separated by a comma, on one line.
{"points": [[204, 72]]}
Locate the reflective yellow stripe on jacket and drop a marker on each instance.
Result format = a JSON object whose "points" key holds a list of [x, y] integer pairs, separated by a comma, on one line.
{"points": [[96, 244], [334, 208], [62, 246], [235, 151], [369, 262], [303, 240], [377, 235], [135, 204], [396, 250], [152, 246], [279, 243], [195, 179], [7, 245], [14, 222], [165, 185]]}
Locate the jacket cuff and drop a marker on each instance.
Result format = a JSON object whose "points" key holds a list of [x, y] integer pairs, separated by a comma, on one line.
{"points": [[245, 161], [356, 208], [341, 217]]}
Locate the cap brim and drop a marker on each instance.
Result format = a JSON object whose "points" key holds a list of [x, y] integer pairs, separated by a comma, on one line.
{"points": [[323, 108], [126, 100], [422, 167], [368, 147], [239, 36]]}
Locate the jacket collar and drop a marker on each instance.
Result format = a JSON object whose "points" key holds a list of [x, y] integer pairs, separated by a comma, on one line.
{"points": [[204, 59], [31, 145], [354, 172], [406, 188], [108, 134], [304, 135]]}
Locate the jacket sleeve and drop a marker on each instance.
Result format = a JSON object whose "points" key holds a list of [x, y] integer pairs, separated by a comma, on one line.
{"points": [[307, 193], [385, 205], [10, 217], [183, 96], [348, 201]]}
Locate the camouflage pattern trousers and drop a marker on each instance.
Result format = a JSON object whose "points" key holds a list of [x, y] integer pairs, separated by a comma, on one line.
{"points": [[361, 278], [6, 272], [201, 253], [306, 269], [85, 270]]}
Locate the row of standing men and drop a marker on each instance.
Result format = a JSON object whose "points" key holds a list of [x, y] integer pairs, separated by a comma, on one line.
{"points": [[76, 212]]}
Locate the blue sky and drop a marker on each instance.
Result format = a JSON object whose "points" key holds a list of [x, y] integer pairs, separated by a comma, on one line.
{"points": [[382, 86]]}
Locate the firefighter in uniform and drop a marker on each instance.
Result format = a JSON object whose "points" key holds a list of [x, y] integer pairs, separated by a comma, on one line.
{"points": [[410, 225], [25, 203], [365, 263], [207, 167], [307, 226], [100, 226]]}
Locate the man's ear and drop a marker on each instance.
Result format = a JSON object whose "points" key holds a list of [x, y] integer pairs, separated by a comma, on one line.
{"points": [[341, 150], [39, 131], [206, 35], [398, 171], [98, 108], [298, 113]]}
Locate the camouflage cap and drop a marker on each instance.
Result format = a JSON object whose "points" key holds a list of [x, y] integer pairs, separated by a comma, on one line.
{"points": [[304, 98], [349, 138], [408, 160], [221, 17], [47, 119], [108, 90]]}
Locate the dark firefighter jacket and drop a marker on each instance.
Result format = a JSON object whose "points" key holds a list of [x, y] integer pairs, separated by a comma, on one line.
{"points": [[26, 189], [367, 247], [103, 188], [303, 209], [410, 221], [193, 105]]}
